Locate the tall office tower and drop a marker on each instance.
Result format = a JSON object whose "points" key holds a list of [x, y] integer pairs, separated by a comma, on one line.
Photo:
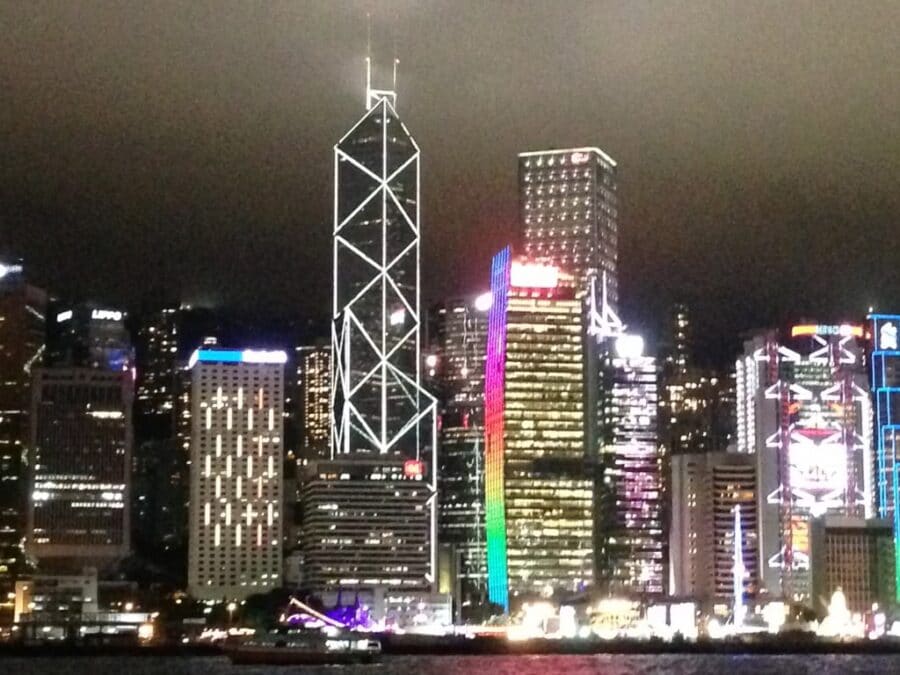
{"points": [[157, 364], [235, 520], [628, 464], [705, 489], [697, 407], [380, 410], [803, 408], [159, 498], [678, 360], [460, 330], [364, 525], [885, 364], [314, 400], [569, 210], [538, 494], [81, 439], [87, 336], [631, 552], [22, 310]]}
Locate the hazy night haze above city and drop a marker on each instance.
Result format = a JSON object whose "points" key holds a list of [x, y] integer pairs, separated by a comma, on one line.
{"points": [[344, 331]]}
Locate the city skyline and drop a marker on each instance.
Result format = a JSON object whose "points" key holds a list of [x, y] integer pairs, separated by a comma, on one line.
{"points": [[611, 348], [164, 152]]}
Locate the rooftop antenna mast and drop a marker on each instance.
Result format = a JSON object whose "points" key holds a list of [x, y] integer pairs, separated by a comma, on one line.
{"points": [[396, 59], [374, 96]]}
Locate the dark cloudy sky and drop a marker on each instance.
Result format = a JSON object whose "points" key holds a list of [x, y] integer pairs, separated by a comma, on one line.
{"points": [[189, 143]]}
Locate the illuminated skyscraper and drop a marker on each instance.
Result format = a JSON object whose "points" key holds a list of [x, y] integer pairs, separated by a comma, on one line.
{"points": [[539, 496], [22, 310], [235, 522], [706, 487], [380, 411], [627, 462], [460, 328], [160, 495], [81, 438], [804, 409], [631, 535], [569, 210], [157, 359], [364, 525], [697, 410], [87, 336], [856, 556], [885, 365], [313, 403]]}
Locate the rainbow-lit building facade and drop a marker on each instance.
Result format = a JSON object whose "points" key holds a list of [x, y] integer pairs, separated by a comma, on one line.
{"points": [[538, 493], [885, 368]]}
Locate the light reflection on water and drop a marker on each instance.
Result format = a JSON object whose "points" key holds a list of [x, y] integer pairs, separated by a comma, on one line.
{"points": [[602, 664]]}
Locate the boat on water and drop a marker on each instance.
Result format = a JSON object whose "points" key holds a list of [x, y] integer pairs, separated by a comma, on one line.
{"points": [[302, 647]]}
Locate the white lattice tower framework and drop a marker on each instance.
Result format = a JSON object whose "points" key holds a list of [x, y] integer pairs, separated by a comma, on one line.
{"points": [[378, 404]]}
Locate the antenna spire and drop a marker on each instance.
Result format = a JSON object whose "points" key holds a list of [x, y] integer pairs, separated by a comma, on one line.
{"points": [[374, 96]]}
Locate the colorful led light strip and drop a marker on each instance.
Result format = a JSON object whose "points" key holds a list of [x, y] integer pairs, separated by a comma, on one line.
{"points": [[887, 430], [494, 384]]}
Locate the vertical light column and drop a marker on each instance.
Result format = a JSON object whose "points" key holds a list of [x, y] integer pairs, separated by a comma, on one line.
{"points": [[494, 384], [886, 392]]}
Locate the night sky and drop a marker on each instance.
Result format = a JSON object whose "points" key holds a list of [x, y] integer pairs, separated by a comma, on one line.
{"points": [[187, 145]]}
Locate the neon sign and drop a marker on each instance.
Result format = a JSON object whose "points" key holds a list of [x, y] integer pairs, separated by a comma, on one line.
{"points": [[106, 315], [64, 316]]}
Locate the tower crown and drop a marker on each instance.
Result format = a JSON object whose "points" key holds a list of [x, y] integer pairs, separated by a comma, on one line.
{"points": [[374, 96]]}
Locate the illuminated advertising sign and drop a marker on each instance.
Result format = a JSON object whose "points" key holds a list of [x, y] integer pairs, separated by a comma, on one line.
{"points": [[64, 316], [844, 330], [413, 468], [106, 315], [800, 540], [580, 158], [818, 472], [533, 275], [237, 356]]}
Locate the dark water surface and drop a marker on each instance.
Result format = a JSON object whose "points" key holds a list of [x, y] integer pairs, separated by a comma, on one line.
{"points": [[604, 664]]}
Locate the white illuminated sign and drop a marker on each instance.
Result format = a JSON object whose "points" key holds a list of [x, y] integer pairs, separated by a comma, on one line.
{"points": [[64, 316], [533, 275], [263, 356], [106, 315], [887, 336], [580, 157]]}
